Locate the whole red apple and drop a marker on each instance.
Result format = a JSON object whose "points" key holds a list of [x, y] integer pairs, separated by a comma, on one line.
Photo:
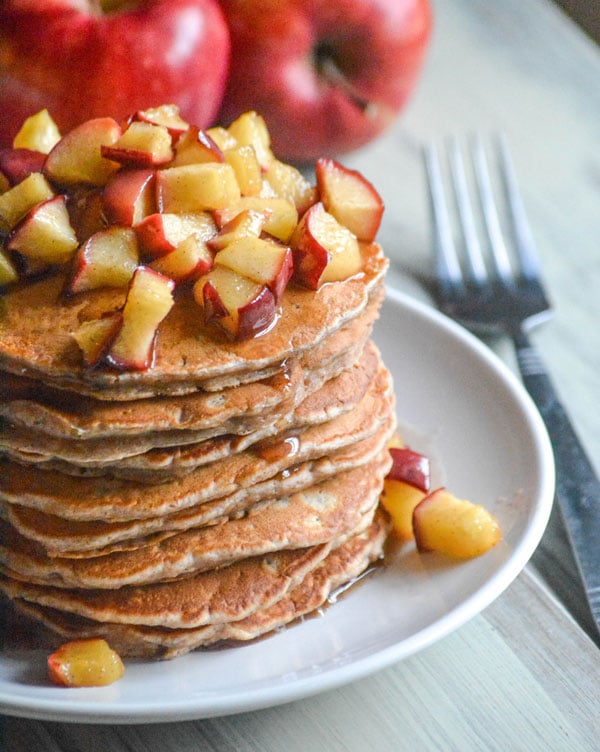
{"points": [[82, 59], [327, 75]]}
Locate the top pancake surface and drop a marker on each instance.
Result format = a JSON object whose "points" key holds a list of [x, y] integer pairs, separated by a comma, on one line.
{"points": [[36, 324]]}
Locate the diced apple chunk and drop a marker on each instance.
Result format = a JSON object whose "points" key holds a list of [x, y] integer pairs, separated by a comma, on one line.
{"points": [[281, 215], [45, 234], [165, 114], [85, 663], [400, 499], [77, 157], [240, 306], [264, 261], [17, 164], [160, 234], [324, 250], [247, 169], [250, 129], [411, 467], [442, 522], [222, 138], [289, 183], [17, 201], [107, 259], [187, 262], [196, 187], [129, 197], [141, 145], [8, 272], [195, 146], [149, 300], [247, 224], [350, 198], [39, 132], [95, 337]]}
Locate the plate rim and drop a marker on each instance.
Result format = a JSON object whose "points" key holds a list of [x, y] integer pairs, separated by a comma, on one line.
{"points": [[86, 711]]}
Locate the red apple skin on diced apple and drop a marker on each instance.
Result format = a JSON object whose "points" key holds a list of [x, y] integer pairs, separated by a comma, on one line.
{"points": [[17, 164], [45, 233], [196, 146], [410, 467], [96, 336], [350, 197], [247, 224], [160, 233], [168, 115], [108, 258], [186, 263], [129, 197], [141, 145]]}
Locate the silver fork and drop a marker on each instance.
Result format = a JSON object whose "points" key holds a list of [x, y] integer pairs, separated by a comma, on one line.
{"points": [[500, 292]]}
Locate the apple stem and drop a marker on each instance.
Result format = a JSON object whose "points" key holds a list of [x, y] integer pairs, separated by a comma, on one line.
{"points": [[329, 69]]}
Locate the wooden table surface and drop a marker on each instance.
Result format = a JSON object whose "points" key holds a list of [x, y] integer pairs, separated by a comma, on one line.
{"points": [[523, 675]]}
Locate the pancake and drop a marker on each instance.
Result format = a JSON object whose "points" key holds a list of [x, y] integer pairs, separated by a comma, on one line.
{"points": [[344, 563], [37, 324]]}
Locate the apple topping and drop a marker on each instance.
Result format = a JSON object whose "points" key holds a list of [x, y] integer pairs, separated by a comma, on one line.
{"points": [[265, 261], [324, 250], [95, 337], [241, 307], [250, 129], [456, 527], [8, 272], [160, 234], [187, 262], [108, 258], [167, 115], [17, 201], [289, 183], [141, 145], [149, 300], [39, 132], [17, 164], [196, 187], [222, 137], [281, 217], [129, 196], [247, 170], [247, 224], [77, 157], [45, 234], [85, 663], [350, 197], [195, 146]]}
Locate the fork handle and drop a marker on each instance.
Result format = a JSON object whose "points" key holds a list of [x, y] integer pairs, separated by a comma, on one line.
{"points": [[577, 485]]}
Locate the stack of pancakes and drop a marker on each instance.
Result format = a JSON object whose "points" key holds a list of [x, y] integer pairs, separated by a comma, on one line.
{"points": [[218, 495]]}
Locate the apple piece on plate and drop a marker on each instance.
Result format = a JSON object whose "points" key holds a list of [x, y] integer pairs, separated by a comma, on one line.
{"points": [[160, 234], [240, 306], [167, 115], [38, 132], [95, 337], [107, 259], [247, 224], [195, 146], [187, 262], [281, 215], [18, 200], [247, 169], [288, 182], [411, 467], [85, 663], [17, 164], [196, 187], [129, 196], [350, 197], [399, 499], [8, 271], [442, 522], [77, 157], [149, 300], [141, 145], [250, 129], [45, 233], [324, 250], [265, 261]]}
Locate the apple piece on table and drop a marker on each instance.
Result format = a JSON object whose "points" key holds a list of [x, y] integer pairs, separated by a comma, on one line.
{"points": [[149, 300], [108, 258], [95, 337], [411, 467], [247, 170], [399, 499], [281, 216], [196, 187], [167, 115], [77, 157], [129, 196], [17, 164], [195, 146], [247, 224], [38, 132], [324, 250], [241, 307], [141, 145], [190, 260], [289, 183], [442, 522], [250, 129], [161, 233], [85, 663], [45, 234], [264, 261], [8, 272], [350, 197], [18, 200]]}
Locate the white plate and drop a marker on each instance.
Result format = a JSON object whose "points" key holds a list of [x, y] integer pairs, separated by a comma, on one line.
{"points": [[461, 405]]}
